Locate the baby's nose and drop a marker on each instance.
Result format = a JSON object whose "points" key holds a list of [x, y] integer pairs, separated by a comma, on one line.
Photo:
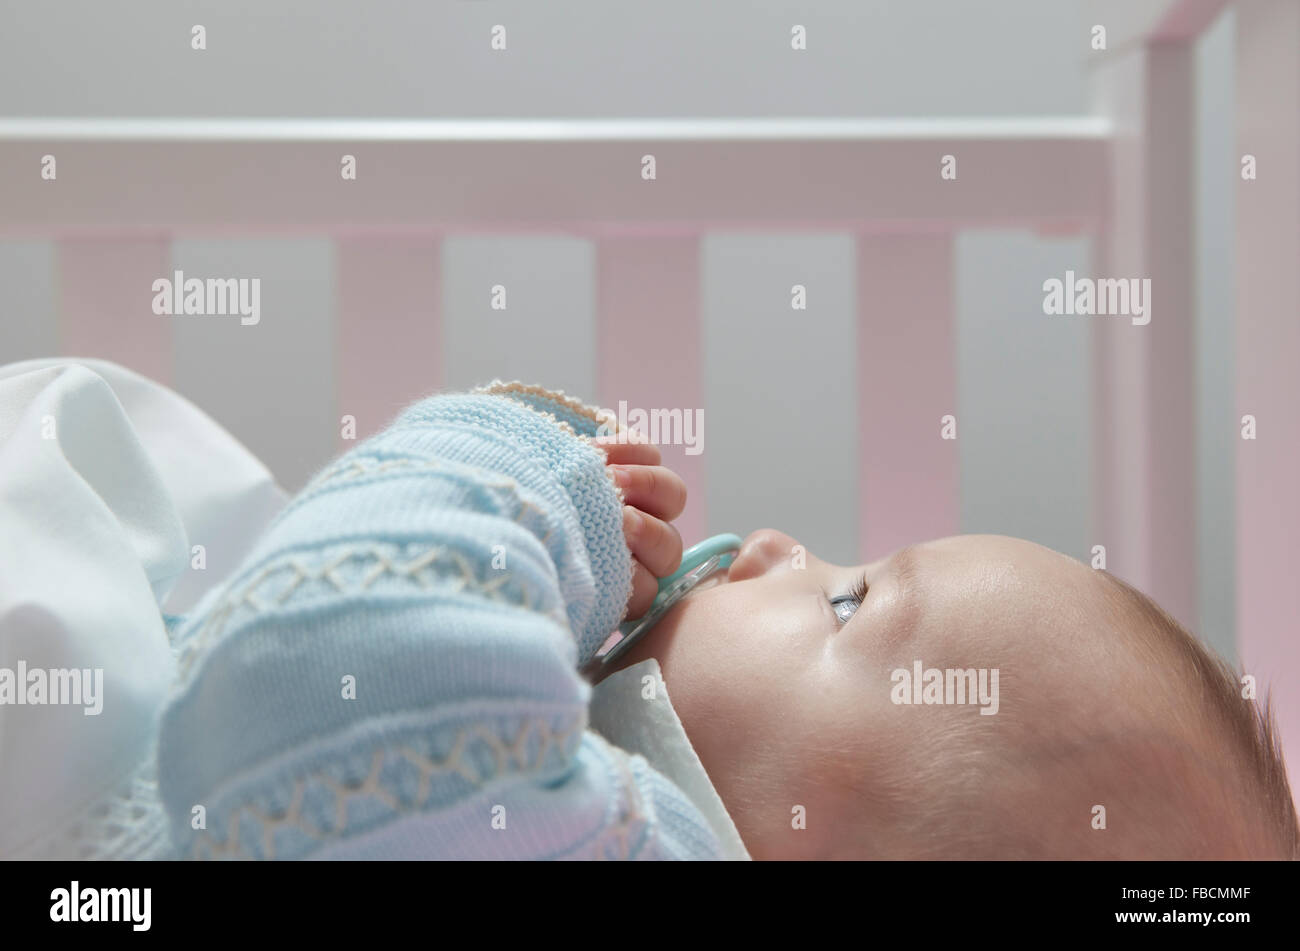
{"points": [[763, 551]]}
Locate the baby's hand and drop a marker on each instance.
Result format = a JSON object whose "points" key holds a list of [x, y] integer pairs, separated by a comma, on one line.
{"points": [[653, 495]]}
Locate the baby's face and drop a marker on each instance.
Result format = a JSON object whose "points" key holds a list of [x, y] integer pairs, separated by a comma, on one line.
{"points": [[789, 704]]}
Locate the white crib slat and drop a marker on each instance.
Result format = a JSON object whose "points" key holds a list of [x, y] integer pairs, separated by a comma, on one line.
{"points": [[906, 364], [105, 304], [28, 324], [390, 326], [1144, 421], [1171, 364], [648, 345], [780, 383], [1268, 352]]}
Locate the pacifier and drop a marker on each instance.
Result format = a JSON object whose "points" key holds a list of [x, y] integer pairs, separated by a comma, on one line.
{"points": [[698, 563]]}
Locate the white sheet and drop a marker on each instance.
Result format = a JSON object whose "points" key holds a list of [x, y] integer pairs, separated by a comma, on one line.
{"points": [[106, 479]]}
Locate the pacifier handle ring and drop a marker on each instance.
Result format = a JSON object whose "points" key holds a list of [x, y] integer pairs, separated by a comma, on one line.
{"points": [[699, 553], [698, 562]]}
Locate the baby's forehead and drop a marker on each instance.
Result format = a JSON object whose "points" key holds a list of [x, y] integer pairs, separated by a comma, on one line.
{"points": [[990, 549], [1000, 566], [1057, 618]]}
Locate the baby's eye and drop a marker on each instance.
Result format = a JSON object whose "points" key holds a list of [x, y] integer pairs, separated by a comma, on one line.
{"points": [[846, 604]]}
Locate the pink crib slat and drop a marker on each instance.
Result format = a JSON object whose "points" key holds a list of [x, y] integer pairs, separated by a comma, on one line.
{"points": [[648, 346], [907, 384], [105, 309], [390, 326], [1268, 357]]}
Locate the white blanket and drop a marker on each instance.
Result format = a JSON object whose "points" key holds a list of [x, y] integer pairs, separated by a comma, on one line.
{"points": [[107, 481]]}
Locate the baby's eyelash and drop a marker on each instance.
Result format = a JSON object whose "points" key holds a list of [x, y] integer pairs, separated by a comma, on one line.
{"points": [[859, 590]]}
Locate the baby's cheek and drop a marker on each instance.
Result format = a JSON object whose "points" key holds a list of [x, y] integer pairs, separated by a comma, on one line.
{"points": [[740, 720]]}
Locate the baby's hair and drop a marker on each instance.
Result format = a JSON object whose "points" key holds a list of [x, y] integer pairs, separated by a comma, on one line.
{"points": [[1250, 726]]}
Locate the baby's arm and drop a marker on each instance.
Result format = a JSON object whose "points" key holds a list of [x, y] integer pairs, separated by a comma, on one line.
{"points": [[392, 672]]}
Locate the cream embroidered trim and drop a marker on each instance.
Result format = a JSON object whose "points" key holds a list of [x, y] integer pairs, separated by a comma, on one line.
{"points": [[417, 568], [503, 388], [516, 387], [206, 846], [631, 817]]}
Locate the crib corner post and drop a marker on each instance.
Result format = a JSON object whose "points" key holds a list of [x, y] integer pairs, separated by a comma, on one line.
{"points": [[1268, 348], [1144, 421]]}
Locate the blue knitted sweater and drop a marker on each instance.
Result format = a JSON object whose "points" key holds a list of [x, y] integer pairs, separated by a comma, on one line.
{"points": [[392, 672]]}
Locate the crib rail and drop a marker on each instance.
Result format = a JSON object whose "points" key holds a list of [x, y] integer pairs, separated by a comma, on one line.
{"points": [[589, 176]]}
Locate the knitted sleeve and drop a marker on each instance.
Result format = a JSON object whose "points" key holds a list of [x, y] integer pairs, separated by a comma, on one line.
{"points": [[391, 673]]}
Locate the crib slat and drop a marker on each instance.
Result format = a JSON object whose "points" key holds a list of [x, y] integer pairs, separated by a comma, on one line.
{"points": [[648, 345], [390, 326], [1268, 353], [105, 306], [272, 380], [780, 381], [27, 273], [1144, 417], [906, 359]]}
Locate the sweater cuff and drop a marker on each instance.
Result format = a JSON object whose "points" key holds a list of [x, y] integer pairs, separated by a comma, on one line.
{"points": [[590, 486], [571, 414], [595, 588]]}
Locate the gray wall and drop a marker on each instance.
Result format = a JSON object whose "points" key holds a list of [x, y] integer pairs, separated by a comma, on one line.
{"points": [[386, 58]]}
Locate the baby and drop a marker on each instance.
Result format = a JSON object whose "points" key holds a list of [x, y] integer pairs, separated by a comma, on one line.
{"points": [[393, 673], [787, 680]]}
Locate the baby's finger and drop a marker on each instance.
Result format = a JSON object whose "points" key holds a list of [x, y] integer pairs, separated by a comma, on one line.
{"points": [[654, 543], [654, 489], [644, 588], [638, 453]]}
